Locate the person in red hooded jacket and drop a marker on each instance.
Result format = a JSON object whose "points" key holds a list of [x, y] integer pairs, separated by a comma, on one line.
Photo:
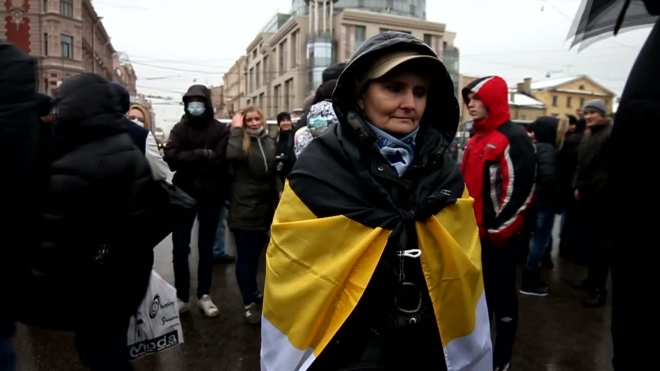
{"points": [[499, 169]]}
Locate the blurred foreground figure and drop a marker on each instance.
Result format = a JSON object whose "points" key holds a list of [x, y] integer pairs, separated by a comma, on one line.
{"points": [[19, 137], [636, 255]]}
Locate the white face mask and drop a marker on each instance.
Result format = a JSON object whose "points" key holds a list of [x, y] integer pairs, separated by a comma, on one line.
{"points": [[138, 122]]}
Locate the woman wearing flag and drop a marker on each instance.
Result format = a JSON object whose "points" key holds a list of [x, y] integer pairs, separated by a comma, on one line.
{"points": [[374, 261]]}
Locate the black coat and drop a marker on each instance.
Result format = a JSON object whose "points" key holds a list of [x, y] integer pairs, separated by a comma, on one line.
{"points": [[344, 171], [19, 137], [546, 192], [206, 179], [633, 204], [92, 216]]}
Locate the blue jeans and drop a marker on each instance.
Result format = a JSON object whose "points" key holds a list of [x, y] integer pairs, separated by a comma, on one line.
{"points": [[219, 246], [208, 216], [7, 355], [544, 221], [249, 245]]}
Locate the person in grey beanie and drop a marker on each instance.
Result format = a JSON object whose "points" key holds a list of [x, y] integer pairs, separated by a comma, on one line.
{"points": [[597, 106], [591, 190]]}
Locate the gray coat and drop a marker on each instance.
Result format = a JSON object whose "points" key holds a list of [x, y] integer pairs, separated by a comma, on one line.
{"points": [[255, 184]]}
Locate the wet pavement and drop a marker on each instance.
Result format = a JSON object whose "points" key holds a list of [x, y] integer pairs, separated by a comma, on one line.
{"points": [[556, 333]]}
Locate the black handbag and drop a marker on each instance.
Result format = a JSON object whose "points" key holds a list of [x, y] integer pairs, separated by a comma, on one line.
{"points": [[168, 205]]}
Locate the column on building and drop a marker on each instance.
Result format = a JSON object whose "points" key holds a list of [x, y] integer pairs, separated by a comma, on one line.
{"points": [[319, 41]]}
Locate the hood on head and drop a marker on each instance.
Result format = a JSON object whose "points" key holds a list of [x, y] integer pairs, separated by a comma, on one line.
{"points": [[18, 73], [124, 97], [81, 99], [494, 93], [545, 129], [439, 124], [199, 91]]}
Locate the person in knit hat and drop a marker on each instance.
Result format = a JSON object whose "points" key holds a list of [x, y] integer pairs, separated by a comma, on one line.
{"points": [[594, 108], [591, 191]]}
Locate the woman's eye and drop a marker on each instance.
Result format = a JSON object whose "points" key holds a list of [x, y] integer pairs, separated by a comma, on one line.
{"points": [[421, 92], [394, 88]]}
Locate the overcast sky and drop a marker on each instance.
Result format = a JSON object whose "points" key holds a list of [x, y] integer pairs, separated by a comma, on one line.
{"points": [[174, 44]]}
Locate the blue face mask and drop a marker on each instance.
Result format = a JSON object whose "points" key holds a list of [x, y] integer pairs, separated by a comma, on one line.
{"points": [[196, 108]]}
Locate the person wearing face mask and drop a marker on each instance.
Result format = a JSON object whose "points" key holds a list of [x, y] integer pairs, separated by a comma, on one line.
{"points": [[196, 153], [140, 116], [320, 116], [374, 261], [138, 126], [255, 189]]}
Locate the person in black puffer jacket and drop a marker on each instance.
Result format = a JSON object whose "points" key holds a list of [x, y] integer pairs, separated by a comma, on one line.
{"points": [[91, 272], [19, 165], [548, 135]]}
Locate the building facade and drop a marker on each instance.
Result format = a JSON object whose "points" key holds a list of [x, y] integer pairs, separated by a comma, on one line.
{"points": [[565, 95], [124, 73], [235, 87], [66, 36], [218, 101], [283, 65]]}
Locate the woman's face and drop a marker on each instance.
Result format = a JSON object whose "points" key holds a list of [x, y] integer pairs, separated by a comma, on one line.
{"points": [[285, 125], [253, 120], [136, 114], [396, 102]]}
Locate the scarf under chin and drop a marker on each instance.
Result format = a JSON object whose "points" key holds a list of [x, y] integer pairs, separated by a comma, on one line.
{"points": [[255, 133], [399, 152]]}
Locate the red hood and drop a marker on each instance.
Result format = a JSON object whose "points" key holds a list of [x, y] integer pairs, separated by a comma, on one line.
{"points": [[494, 92]]}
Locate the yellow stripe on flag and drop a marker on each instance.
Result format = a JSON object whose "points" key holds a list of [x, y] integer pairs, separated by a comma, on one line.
{"points": [[451, 260], [316, 272]]}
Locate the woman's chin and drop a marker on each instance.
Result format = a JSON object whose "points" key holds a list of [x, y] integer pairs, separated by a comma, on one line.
{"points": [[400, 127]]}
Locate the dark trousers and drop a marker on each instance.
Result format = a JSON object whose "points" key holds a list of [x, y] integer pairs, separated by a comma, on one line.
{"points": [[544, 220], [102, 344], [249, 245], [597, 241], [572, 236], [499, 270], [209, 216]]}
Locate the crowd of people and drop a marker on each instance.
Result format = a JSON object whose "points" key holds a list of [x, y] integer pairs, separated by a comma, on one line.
{"points": [[378, 243]]}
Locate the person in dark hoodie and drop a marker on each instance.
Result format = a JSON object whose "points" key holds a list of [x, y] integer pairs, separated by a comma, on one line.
{"points": [[284, 152], [547, 132], [499, 168], [19, 138], [635, 256], [571, 243], [196, 152]]}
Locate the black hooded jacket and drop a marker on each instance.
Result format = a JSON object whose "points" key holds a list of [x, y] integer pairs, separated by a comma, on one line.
{"points": [[546, 193], [19, 136], [204, 177], [98, 199], [352, 162], [634, 223], [567, 161]]}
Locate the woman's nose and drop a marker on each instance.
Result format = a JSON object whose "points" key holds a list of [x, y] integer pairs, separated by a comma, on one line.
{"points": [[408, 101]]}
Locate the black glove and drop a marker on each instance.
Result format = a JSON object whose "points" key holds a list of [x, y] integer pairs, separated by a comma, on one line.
{"points": [[206, 153]]}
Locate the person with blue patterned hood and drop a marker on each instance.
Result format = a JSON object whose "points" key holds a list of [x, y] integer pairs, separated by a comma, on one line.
{"points": [[320, 116], [374, 261]]}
